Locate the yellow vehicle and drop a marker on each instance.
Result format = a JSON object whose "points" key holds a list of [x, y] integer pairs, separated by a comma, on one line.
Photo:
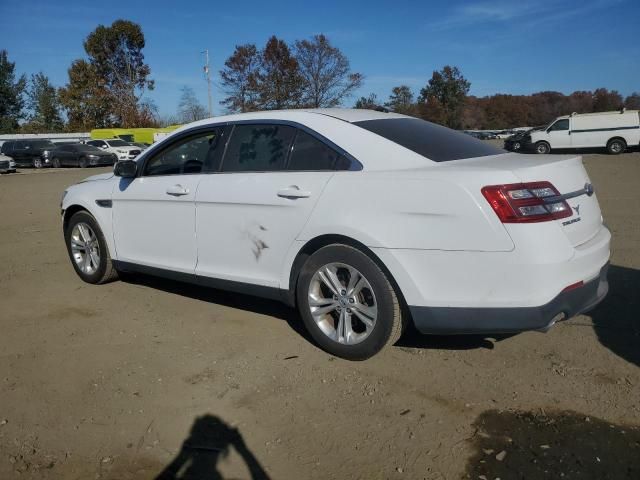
{"points": [[139, 135]]}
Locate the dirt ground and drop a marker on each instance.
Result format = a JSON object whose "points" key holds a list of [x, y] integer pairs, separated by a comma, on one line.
{"points": [[147, 378]]}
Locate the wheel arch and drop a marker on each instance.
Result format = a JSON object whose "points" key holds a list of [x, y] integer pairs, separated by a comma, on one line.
{"points": [[316, 243], [99, 216], [618, 137]]}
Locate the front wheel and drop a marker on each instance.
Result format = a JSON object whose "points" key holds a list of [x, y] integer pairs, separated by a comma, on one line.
{"points": [[56, 163], [88, 250], [347, 303], [37, 163], [543, 148], [82, 162]]}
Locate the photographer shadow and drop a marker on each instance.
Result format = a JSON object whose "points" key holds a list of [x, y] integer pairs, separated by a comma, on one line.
{"points": [[209, 441]]}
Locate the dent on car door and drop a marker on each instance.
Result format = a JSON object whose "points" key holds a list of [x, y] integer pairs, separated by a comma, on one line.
{"points": [[154, 213], [250, 213]]}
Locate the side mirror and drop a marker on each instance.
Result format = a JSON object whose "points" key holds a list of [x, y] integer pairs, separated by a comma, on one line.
{"points": [[104, 147], [125, 169]]}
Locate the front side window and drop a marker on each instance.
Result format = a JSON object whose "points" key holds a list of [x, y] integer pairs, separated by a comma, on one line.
{"points": [[560, 125], [258, 148], [189, 155], [309, 153]]}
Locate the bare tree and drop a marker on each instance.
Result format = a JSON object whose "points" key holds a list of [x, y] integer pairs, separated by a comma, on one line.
{"points": [[326, 73], [189, 108]]}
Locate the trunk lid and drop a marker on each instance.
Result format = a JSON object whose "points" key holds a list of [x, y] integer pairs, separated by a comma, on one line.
{"points": [[567, 174]]}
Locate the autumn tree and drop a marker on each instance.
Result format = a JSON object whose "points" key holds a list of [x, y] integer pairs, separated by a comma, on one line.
{"points": [[115, 72], [446, 91], [239, 79], [369, 103], [605, 100], [632, 102], [326, 74], [43, 101], [279, 83], [86, 99], [401, 100], [189, 108], [11, 95]]}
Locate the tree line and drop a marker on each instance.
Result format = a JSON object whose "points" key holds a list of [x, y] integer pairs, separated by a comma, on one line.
{"points": [[445, 100], [106, 88]]}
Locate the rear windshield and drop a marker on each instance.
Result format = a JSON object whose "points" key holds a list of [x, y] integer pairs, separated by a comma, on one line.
{"points": [[435, 142]]}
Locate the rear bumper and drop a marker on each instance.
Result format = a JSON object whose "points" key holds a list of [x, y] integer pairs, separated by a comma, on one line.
{"points": [[467, 320]]}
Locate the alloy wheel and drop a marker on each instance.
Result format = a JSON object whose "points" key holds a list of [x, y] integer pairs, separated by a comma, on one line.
{"points": [[342, 303], [85, 248]]}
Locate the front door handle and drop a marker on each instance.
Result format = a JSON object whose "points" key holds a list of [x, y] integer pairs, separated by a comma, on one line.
{"points": [[177, 191], [293, 191]]}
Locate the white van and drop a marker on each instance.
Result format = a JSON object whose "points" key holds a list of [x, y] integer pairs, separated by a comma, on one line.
{"points": [[614, 131]]}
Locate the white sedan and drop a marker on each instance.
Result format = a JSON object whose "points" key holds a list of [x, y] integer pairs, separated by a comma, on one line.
{"points": [[365, 221]]}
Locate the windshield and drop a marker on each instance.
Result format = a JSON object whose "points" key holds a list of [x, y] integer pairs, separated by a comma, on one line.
{"points": [[435, 142], [117, 143]]}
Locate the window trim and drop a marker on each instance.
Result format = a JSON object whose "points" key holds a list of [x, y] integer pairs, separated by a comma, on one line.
{"points": [[354, 164]]}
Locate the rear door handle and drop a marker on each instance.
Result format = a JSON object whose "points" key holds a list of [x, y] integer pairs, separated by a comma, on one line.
{"points": [[293, 191], [177, 191]]}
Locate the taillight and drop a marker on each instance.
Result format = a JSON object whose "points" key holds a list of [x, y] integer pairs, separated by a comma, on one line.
{"points": [[526, 202]]}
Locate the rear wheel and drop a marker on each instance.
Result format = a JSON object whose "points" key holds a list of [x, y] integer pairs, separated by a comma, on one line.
{"points": [[88, 250], [616, 146], [543, 148], [347, 303], [37, 163]]}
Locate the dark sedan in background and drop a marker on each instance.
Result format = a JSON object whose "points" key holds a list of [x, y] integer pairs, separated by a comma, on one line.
{"points": [[80, 155]]}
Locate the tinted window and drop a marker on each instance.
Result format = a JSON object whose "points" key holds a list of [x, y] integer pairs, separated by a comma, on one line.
{"points": [[309, 153], [86, 148], [188, 155], [560, 125], [435, 142], [6, 147], [257, 148]]}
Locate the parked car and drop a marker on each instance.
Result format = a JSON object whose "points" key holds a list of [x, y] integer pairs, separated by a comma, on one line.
{"points": [[140, 145], [364, 220], [7, 164], [614, 131], [504, 134], [81, 155], [28, 153], [515, 141], [123, 150]]}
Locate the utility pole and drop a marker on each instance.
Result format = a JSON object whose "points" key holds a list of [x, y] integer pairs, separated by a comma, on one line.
{"points": [[207, 73]]}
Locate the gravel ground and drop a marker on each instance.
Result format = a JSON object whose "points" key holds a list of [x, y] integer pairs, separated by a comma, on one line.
{"points": [[146, 378]]}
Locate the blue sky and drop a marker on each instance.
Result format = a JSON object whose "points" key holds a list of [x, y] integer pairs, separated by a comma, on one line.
{"points": [[516, 46]]}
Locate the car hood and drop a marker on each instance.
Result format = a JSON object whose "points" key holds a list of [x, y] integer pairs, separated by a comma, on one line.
{"points": [[100, 176]]}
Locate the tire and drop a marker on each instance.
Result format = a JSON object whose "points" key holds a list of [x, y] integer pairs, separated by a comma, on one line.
{"points": [[376, 294], [82, 162], [100, 271], [616, 146], [37, 163], [56, 162], [543, 148]]}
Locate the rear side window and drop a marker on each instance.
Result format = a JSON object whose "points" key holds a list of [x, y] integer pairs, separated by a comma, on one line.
{"points": [[258, 148], [309, 153], [435, 142], [6, 147]]}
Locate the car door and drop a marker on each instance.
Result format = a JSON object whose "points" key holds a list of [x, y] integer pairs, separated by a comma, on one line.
{"points": [[154, 213], [249, 214], [20, 153], [559, 134]]}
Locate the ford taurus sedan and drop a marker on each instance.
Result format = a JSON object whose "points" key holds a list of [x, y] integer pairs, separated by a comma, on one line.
{"points": [[364, 221]]}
